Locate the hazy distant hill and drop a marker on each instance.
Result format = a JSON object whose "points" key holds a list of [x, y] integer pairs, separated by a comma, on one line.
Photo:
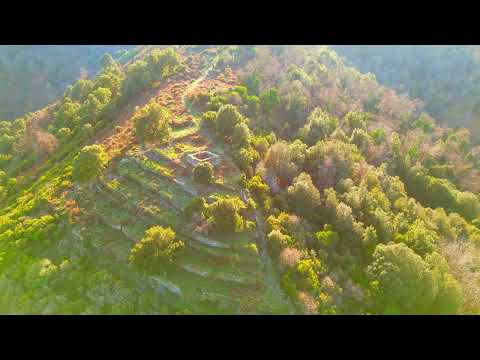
{"points": [[31, 76], [446, 78]]}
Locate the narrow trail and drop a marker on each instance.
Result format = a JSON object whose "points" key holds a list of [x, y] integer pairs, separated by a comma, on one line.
{"points": [[170, 93], [197, 82], [273, 281]]}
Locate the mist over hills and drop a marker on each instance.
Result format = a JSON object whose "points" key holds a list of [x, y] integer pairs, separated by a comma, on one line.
{"points": [[31, 76], [445, 78]]}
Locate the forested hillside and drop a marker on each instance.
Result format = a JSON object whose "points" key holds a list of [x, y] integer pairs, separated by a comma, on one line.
{"points": [[237, 180], [446, 78], [31, 76]]}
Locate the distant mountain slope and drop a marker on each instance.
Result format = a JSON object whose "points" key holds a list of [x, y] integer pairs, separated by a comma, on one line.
{"points": [[446, 78], [31, 76]]}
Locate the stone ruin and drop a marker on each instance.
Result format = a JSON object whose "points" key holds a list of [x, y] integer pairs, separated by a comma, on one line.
{"points": [[203, 156]]}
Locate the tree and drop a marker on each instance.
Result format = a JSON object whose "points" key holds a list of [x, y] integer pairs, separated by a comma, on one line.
{"points": [[64, 134], [468, 204], [252, 82], [79, 91], [137, 78], [107, 61], [242, 91], [378, 136], [319, 126], [327, 238], [449, 298], [224, 217], [209, 119], [157, 249], [401, 281], [245, 158], [286, 160], [304, 196], [241, 135], [331, 160], [89, 163], [152, 123], [369, 240], [196, 206], [419, 238], [253, 105], [278, 241], [163, 63], [361, 139], [258, 187], [356, 120], [203, 173], [227, 117], [269, 100], [96, 104], [67, 114]]}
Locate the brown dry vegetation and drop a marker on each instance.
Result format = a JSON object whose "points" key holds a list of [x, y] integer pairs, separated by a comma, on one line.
{"points": [[464, 263]]}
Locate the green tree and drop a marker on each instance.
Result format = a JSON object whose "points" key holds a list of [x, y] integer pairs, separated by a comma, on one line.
{"points": [[252, 82], [137, 78], [269, 100], [79, 91], [163, 63], [96, 104], [319, 126], [253, 105], [107, 61], [227, 118], [245, 158], [157, 249], [224, 215], [327, 237], [361, 139], [196, 206], [379, 136], [209, 119], [286, 160], [468, 204], [203, 173], [304, 196], [258, 187], [67, 114], [356, 120], [450, 297], [64, 134], [419, 238], [152, 123], [369, 240], [241, 135], [401, 281], [278, 241], [89, 163]]}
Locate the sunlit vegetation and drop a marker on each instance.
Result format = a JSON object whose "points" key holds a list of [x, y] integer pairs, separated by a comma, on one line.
{"points": [[357, 196]]}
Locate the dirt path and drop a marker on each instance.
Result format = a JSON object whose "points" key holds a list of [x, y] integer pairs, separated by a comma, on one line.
{"points": [[273, 281], [169, 94]]}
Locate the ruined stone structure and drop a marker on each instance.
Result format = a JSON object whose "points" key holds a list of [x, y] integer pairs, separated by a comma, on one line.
{"points": [[203, 156]]}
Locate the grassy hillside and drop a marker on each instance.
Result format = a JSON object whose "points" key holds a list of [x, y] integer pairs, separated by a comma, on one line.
{"points": [[327, 193]]}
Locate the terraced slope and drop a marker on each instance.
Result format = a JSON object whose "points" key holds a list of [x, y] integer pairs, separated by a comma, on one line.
{"points": [[147, 187], [211, 272]]}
